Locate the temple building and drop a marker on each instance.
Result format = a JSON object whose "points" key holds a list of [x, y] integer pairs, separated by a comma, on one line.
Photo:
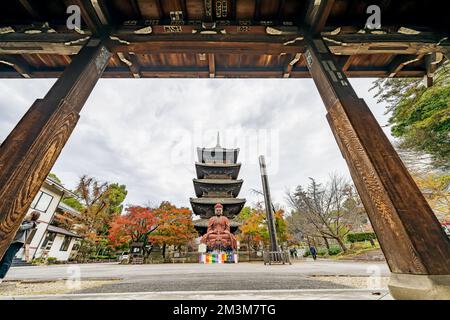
{"points": [[217, 172]]}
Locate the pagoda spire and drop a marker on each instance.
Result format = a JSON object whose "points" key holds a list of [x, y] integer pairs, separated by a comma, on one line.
{"points": [[218, 140]]}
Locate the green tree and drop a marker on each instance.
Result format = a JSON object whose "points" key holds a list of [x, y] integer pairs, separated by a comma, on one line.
{"points": [[420, 116], [116, 194], [96, 213], [73, 203], [54, 177], [244, 214]]}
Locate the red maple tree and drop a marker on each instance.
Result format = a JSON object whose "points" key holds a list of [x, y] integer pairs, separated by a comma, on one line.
{"points": [[165, 225], [175, 226], [134, 226]]}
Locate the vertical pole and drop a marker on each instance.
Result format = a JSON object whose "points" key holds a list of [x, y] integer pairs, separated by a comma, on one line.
{"points": [[31, 149], [268, 204], [410, 235]]}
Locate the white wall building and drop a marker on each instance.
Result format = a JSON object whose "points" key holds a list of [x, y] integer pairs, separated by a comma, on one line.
{"points": [[48, 240]]}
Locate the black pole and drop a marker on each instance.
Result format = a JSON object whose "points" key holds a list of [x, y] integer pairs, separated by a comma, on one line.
{"points": [[269, 207]]}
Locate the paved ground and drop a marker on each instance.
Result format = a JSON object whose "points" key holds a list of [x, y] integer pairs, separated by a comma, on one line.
{"points": [[300, 294], [185, 280]]}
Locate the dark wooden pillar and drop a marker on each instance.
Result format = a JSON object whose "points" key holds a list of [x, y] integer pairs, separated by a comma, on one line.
{"points": [[29, 152], [410, 236]]}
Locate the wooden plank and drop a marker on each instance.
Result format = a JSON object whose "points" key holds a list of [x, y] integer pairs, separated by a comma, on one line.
{"points": [[403, 221], [432, 61], [18, 63], [317, 15], [281, 10], [212, 65], [211, 45], [291, 62], [257, 12], [31, 149], [131, 62], [146, 72], [89, 15], [30, 9], [391, 43], [136, 9], [399, 62]]}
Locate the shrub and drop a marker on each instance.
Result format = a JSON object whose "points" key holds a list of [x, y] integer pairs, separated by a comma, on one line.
{"points": [[322, 251], [51, 260], [334, 250], [360, 237], [38, 261]]}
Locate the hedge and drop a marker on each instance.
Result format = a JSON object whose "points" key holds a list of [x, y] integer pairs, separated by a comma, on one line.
{"points": [[360, 237]]}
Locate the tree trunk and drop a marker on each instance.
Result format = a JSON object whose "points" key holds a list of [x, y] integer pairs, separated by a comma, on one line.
{"points": [[341, 244], [326, 243], [308, 241]]}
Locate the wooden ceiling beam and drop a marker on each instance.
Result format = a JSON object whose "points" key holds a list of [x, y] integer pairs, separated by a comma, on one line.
{"points": [[432, 62], [291, 62], [391, 43], [317, 15], [211, 65], [232, 14], [93, 14], [130, 60], [257, 11], [280, 12], [397, 64], [184, 10], [229, 47], [159, 8], [136, 9], [18, 63], [30, 9], [184, 72], [70, 43]]}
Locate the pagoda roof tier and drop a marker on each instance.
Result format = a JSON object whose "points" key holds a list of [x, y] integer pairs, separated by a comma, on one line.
{"points": [[227, 188], [201, 225], [217, 155], [217, 170], [204, 207]]}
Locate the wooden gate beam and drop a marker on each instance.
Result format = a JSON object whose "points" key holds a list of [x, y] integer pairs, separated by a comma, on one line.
{"points": [[29, 152], [415, 246]]}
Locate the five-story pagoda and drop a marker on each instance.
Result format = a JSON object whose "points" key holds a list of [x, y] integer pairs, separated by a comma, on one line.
{"points": [[216, 183]]}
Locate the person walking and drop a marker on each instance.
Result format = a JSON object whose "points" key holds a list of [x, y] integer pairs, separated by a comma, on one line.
{"points": [[18, 242], [292, 250], [313, 251]]}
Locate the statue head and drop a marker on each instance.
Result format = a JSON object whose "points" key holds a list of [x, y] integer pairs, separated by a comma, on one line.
{"points": [[218, 209]]}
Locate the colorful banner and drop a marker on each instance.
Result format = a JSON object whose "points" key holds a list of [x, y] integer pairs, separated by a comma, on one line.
{"points": [[210, 258]]}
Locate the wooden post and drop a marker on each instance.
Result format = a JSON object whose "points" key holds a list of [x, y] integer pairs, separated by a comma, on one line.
{"points": [[29, 152], [410, 236]]}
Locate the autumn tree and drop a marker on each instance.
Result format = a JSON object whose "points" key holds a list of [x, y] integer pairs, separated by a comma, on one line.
{"points": [[97, 212], [135, 225], [254, 229], [175, 226], [435, 185]]}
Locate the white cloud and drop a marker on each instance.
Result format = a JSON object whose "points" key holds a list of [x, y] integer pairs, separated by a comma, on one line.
{"points": [[143, 133]]}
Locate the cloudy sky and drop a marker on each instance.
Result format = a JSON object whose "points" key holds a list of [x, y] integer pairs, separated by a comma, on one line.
{"points": [[143, 132]]}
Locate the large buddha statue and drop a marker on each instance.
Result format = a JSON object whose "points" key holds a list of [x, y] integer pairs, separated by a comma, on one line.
{"points": [[218, 236]]}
